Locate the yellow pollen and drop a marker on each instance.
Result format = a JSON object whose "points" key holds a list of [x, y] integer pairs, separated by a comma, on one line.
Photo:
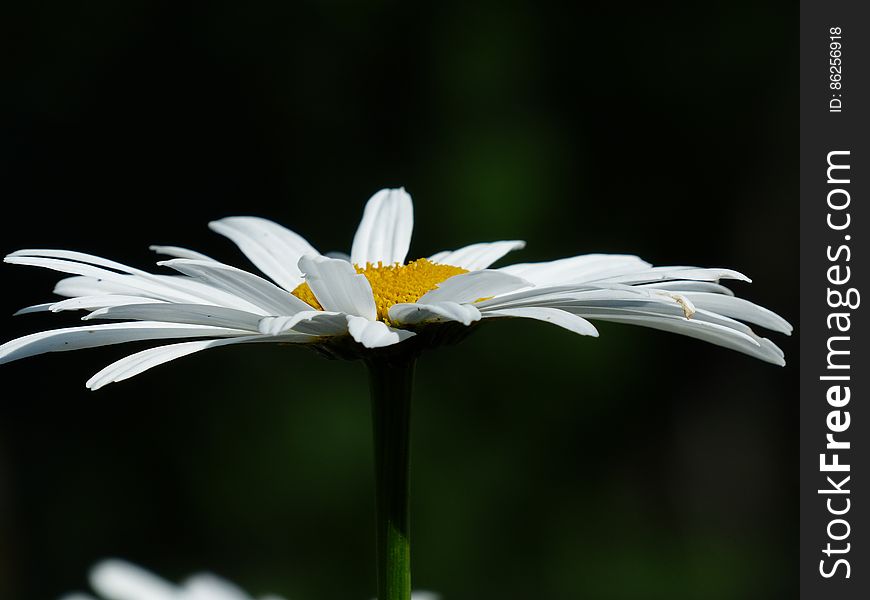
{"points": [[304, 293], [393, 284]]}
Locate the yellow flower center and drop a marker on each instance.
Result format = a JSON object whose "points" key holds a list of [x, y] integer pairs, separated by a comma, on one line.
{"points": [[393, 284]]}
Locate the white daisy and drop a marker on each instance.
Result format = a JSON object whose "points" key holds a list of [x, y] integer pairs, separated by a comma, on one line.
{"points": [[353, 305], [119, 580]]}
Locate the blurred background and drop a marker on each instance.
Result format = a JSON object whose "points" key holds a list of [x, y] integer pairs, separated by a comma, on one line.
{"points": [[546, 466]]}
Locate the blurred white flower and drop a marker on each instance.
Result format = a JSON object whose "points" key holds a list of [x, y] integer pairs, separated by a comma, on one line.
{"points": [[371, 298], [119, 580]]}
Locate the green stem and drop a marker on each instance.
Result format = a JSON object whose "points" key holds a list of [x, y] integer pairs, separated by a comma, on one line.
{"points": [[391, 383]]}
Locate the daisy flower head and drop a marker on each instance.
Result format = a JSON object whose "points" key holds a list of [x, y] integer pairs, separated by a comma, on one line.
{"points": [[376, 305], [115, 579], [373, 300]]}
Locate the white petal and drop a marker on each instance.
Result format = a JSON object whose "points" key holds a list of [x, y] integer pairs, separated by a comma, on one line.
{"points": [[339, 255], [470, 287], [717, 319], [177, 252], [616, 299], [558, 295], [555, 316], [415, 313], [35, 308], [384, 234], [210, 587], [197, 314], [108, 280], [96, 279], [274, 249], [77, 597], [675, 273], [690, 286], [668, 309], [658, 311], [250, 287], [75, 338], [140, 362], [375, 334], [338, 287], [173, 289], [95, 302], [311, 322], [73, 287], [669, 316], [206, 293], [128, 285], [577, 269], [119, 580], [714, 333], [738, 308], [80, 257], [137, 282], [650, 301], [477, 256]]}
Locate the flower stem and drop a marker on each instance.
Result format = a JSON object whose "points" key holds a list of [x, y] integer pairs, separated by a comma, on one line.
{"points": [[391, 383]]}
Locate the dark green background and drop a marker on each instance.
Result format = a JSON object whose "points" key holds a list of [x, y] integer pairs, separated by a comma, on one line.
{"points": [[546, 465]]}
